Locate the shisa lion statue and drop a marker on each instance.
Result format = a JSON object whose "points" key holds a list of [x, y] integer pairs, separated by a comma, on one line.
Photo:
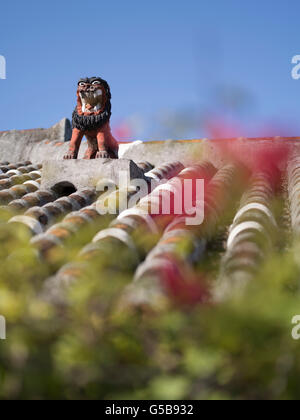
{"points": [[91, 119]]}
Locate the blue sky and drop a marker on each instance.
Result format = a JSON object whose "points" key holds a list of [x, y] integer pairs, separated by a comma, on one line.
{"points": [[176, 68]]}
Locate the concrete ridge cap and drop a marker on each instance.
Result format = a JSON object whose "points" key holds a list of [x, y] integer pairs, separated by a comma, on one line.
{"points": [[275, 138], [25, 130]]}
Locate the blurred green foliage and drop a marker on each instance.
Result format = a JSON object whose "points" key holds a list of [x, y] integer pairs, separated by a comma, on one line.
{"points": [[96, 347]]}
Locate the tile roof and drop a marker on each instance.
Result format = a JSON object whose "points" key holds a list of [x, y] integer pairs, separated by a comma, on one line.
{"points": [[52, 218], [251, 200]]}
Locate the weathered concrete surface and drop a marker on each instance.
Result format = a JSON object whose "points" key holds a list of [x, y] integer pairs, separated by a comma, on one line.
{"points": [[87, 173], [219, 152], [28, 146], [158, 153], [40, 144], [18, 145]]}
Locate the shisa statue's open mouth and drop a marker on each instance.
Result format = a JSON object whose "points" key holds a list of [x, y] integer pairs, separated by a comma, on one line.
{"points": [[91, 100]]}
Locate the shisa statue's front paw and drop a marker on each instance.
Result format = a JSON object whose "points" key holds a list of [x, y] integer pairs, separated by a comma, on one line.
{"points": [[102, 155], [70, 155]]}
